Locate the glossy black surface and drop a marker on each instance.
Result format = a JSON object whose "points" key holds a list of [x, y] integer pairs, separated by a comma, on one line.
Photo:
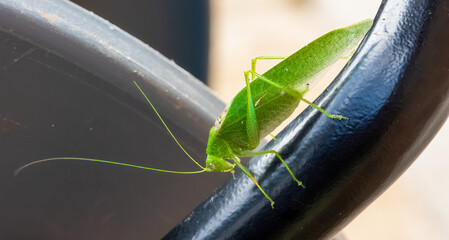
{"points": [[66, 90], [395, 92]]}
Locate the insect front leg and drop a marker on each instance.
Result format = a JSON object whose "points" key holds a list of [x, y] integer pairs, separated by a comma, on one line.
{"points": [[247, 173], [252, 154]]}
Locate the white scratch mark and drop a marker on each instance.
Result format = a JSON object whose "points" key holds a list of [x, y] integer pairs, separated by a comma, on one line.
{"points": [[17, 59], [12, 122], [108, 217], [258, 101]]}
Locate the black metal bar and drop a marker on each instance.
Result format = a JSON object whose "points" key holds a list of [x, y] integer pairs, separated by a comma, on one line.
{"points": [[66, 89], [395, 92]]}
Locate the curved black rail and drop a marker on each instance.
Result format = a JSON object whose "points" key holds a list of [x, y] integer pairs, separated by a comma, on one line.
{"points": [[66, 90], [395, 92]]}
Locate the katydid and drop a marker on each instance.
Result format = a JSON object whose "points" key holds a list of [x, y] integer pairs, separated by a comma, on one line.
{"points": [[261, 106]]}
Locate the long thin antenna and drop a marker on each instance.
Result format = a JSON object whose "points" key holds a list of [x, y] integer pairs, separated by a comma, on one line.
{"points": [[165, 125], [18, 170]]}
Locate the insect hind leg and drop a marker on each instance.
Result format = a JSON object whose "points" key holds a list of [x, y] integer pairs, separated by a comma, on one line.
{"points": [[252, 126]]}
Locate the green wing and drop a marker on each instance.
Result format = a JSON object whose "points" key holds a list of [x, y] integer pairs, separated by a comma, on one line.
{"points": [[273, 105]]}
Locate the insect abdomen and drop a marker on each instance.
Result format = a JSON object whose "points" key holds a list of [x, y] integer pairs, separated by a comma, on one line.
{"points": [[274, 105]]}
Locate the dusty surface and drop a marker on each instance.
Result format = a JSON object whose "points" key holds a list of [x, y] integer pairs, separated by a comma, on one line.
{"points": [[415, 206]]}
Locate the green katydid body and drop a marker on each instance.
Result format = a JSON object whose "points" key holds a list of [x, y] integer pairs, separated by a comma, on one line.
{"points": [[275, 95], [262, 105]]}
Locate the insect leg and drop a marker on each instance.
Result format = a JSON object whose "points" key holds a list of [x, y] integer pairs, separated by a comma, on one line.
{"points": [[348, 55], [247, 173], [252, 127], [252, 154], [287, 90], [299, 95], [339, 117], [254, 61]]}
